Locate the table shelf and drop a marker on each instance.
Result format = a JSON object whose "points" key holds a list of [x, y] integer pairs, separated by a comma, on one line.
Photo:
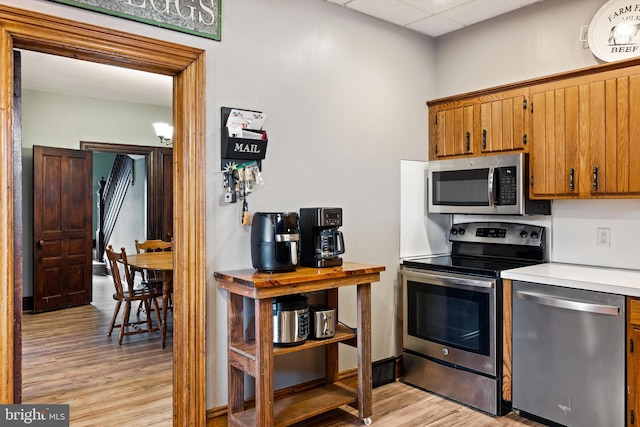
{"points": [[256, 357], [301, 406], [343, 334]]}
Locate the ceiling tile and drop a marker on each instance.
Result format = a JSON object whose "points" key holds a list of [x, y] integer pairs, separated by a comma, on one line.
{"points": [[434, 6], [435, 26], [434, 17], [389, 10], [480, 10]]}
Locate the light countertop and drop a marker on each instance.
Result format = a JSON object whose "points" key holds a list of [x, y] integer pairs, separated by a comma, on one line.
{"points": [[601, 279]]}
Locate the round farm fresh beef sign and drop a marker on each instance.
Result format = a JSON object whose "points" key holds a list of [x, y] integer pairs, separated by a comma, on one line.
{"points": [[614, 32]]}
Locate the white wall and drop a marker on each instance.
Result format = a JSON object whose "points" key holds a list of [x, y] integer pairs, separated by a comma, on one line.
{"points": [[533, 42], [345, 97]]}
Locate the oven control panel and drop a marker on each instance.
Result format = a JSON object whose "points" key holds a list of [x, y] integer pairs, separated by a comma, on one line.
{"points": [[498, 233]]}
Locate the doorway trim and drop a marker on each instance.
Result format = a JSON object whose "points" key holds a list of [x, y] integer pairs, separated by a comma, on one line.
{"points": [[30, 30]]}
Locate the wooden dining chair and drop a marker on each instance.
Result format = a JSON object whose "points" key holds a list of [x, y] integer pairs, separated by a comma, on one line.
{"points": [[148, 277], [150, 246], [127, 293]]}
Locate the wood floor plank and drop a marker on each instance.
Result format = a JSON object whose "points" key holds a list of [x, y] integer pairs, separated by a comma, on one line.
{"points": [[68, 358]]}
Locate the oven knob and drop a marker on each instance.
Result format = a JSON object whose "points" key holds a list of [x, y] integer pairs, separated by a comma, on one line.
{"points": [[524, 234], [445, 351], [534, 234], [461, 231], [454, 231]]}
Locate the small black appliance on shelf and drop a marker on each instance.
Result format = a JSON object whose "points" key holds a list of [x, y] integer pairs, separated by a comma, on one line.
{"points": [[275, 238], [320, 240]]}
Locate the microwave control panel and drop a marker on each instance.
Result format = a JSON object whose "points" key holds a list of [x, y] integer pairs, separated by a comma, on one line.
{"points": [[507, 185]]}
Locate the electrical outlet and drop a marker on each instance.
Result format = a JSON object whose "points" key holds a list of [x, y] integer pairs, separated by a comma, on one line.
{"points": [[604, 237]]}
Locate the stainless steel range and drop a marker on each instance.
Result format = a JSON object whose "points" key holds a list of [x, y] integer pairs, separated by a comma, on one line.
{"points": [[452, 317]]}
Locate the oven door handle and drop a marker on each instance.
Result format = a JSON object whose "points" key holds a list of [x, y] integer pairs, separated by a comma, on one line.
{"points": [[568, 304], [450, 280]]}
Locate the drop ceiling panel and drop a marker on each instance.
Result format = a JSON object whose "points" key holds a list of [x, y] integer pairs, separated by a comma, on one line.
{"points": [[434, 6], [434, 17], [435, 25], [481, 10], [393, 11]]}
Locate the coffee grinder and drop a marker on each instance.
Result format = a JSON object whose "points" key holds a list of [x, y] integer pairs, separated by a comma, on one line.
{"points": [[320, 240]]}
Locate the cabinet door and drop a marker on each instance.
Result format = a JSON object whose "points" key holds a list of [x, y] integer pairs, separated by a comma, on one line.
{"points": [[503, 123], [454, 131], [554, 161], [584, 136], [614, 146], [633, 361]]}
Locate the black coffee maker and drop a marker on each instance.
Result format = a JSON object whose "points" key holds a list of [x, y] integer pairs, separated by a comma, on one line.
{"points": [[275, 241], [321, 241]]}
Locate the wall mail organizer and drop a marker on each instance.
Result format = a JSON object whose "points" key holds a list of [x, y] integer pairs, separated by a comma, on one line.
{"points": [[242, 136], [243, 146]]}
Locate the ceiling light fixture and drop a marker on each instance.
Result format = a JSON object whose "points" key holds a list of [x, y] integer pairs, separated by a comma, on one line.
{"points": [[164, 131]]}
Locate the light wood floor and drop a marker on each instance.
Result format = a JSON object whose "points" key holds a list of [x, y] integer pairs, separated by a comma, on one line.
{"points": [[400, 405], [68, 358]]}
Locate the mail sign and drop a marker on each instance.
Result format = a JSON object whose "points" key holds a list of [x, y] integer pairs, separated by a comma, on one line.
{"points": [[197, 17], [614, 32], [244, 149]]}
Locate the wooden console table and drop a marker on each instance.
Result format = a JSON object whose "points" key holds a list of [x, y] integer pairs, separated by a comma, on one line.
{"points": [[255, 357]]}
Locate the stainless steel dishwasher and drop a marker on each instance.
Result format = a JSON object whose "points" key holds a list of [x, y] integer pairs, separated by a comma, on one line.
{"points": [[569, 355]]}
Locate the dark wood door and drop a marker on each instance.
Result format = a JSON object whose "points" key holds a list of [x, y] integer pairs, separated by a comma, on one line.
{"points": [[61, 228], [165, 193]]}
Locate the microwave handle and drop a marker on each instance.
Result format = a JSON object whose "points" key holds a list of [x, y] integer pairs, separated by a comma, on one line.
{"points": [[491, 185]]}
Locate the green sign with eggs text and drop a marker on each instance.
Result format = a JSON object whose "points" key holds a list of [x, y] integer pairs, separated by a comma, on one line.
{"points": [[198, 17]]}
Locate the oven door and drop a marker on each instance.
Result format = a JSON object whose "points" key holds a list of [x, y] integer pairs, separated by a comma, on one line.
{"points": [[451, 318]]}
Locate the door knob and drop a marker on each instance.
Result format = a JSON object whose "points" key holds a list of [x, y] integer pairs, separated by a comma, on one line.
{"points": [[41, 242]]}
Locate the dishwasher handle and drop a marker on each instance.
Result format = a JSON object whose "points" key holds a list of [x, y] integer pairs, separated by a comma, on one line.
{"points": [[568, 304]]}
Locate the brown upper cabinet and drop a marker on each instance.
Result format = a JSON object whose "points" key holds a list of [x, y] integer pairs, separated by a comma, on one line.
{"points": [[585, 136], [581, 129], [478, 125]]}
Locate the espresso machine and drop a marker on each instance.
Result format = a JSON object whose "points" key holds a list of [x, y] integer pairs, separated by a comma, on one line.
{"points": [[275, 241], [320, 240]]}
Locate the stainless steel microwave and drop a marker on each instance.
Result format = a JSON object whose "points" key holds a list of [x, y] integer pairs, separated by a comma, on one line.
{"points": [[488, 185]]}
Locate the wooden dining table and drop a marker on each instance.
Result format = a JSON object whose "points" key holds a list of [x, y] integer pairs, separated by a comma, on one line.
{"points": [[161, 264]]}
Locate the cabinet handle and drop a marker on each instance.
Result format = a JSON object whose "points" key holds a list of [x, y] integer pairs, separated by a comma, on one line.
{"points": [[468, 141], [572, 174], [595, 178], [484, 139], [524, 104], [436, 148]]}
